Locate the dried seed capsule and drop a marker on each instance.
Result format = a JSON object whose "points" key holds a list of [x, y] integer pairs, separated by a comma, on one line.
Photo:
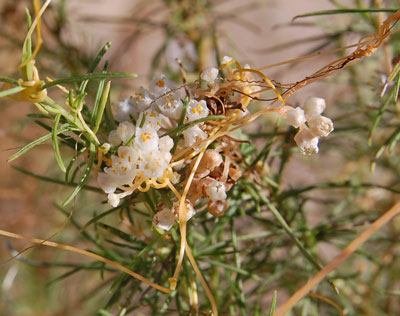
{"points": [[211, 160], [234, 172], [164, 219], [217, 208]]}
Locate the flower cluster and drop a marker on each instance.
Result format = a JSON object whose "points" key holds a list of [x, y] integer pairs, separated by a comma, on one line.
{"points": [[143, 151], [163, 139], [312, 125]]}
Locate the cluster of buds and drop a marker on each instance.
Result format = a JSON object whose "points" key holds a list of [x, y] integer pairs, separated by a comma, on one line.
{"points": [[312, 125]]}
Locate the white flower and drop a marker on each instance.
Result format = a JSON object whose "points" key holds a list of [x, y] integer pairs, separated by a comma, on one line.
{"points": [[106, 182], [226, 59], [165, 144], [146, 139], [160, 85], [164, 219], [209, 74], [295, 117], [170, 105], [125, 131], [306, 141], [216, 191], [127, 157], [196, 110], [314, 106], [114, 139], [193, 134], [320, 125], [152, 164], [141, 101], [122, 171], [152, 119], [123, 110]]}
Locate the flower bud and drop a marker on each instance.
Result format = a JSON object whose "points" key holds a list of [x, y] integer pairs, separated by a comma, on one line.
{"points": [[113, 199], [295, 117], [226, 59], [209, 74], [320, 125], [314, 106], [306, 141]]}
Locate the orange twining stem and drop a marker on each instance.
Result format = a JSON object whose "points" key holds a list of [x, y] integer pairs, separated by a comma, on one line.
{"points": [[88, 254], [266, 79], [35, 25]]}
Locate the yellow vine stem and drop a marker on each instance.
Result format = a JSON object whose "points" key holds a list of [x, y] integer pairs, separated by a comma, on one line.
{"points": [[353, 246], [36, 24], [87, 254], [218, 131], [290, 61], [266, 79], [202, 280], [183, 218]]}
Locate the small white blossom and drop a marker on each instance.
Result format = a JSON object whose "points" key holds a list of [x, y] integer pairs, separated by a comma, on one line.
{"points": [[160, 85], [141, 101], [306, 141], [209, 74], [166, 143], [196, 110], [164, 219], [216, 191], [320, 125], [314, 106], [170, 105], [106, 182], [125, 131], [295, 117], [193, 134], [152, 119], [152, 164], [123, 110], [114, 139], [146, 139]]}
